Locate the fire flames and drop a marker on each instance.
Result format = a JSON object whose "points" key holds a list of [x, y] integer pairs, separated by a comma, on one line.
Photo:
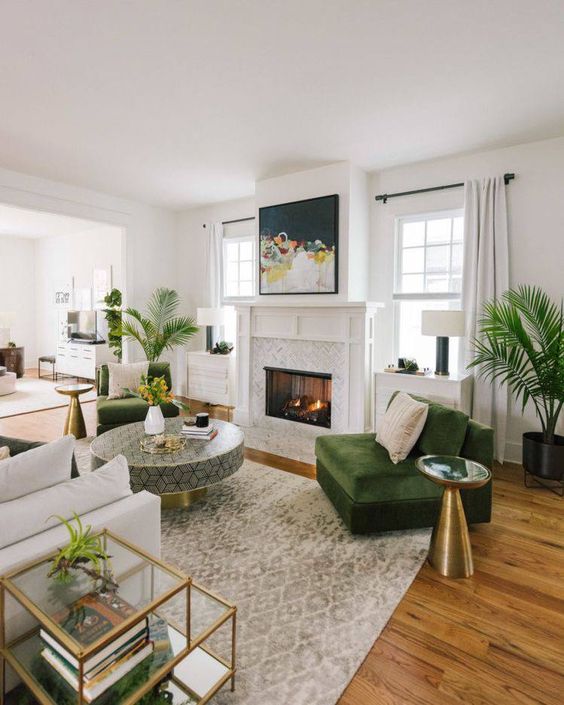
{"points": [[305, 409]]}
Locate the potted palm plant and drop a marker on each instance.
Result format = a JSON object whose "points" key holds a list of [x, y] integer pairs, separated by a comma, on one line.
{"points": [[160, 328], [521, 343]]}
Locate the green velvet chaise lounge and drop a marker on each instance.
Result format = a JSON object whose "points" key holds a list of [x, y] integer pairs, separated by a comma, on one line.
{"points": [[372, 494], [112, 413]]}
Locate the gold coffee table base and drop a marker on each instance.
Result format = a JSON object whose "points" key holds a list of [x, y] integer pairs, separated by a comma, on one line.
{"points": [[182, 500], [450, 552]]}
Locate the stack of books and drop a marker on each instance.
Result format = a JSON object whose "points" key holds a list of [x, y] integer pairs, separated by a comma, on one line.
{"points": [[88, 619], [204, 434]]}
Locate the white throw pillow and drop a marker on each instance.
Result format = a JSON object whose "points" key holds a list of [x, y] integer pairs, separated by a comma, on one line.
{"points": [[36, 469], [35, 512], [125, 376], [4, 452], [401, 426]]}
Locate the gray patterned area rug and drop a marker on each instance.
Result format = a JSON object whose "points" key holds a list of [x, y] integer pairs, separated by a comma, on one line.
{"points": [[311, 597]]}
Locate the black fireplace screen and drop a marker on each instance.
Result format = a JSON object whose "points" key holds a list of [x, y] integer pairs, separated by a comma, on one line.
{"points": [[299, 396]]}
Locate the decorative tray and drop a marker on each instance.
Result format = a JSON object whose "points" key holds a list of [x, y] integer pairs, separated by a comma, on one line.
{"points": [[161, 444]]}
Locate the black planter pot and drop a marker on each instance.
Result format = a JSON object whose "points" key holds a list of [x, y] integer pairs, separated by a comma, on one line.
{"points": [[543, 459]]}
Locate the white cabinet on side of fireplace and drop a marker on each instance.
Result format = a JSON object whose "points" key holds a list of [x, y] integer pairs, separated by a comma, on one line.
{"points": [[211, 378]]}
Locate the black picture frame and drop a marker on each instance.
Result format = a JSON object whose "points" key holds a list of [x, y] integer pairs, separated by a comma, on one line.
{"points": [[324, 211]]}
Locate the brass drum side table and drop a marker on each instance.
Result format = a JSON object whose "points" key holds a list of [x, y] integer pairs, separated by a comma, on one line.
{"points": [[75, 419], [450, 552]]}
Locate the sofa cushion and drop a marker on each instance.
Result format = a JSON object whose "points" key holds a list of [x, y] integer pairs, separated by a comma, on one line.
{"points": [[401, 426], [36, 469], [124, 375], [128, 410], [38, 511], [444, 431], [364, 470], [156, 369]]}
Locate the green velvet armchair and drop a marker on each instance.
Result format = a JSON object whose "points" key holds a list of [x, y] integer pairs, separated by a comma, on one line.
{"points": [[372, 494], [111, 413]]}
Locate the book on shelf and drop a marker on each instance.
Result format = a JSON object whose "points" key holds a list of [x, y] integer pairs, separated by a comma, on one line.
{"points": [[87, 620], [95, 686]]}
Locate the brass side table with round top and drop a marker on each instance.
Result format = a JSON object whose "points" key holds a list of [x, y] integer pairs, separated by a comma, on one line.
{"points": [[450, 552], [180, 477], [75, 420]]}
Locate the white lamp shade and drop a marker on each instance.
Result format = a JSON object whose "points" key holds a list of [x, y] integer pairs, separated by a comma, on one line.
{"points": [[210, 316], [447, 324]]}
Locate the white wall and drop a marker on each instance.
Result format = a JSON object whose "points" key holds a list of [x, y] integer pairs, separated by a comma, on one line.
{"points": [[536, 227], [17, 294], [57, 259]]}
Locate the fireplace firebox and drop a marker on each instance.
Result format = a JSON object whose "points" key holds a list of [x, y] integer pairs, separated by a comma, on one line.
{"points": [[297, 395]]}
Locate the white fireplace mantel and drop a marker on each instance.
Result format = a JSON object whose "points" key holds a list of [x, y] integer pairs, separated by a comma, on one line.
{"points": [[349, 327]]}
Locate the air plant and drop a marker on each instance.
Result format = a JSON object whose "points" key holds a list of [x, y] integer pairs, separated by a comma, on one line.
{"points": [[84, 552]]}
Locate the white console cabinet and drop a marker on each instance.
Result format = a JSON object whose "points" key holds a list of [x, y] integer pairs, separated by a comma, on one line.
{"points": [[454, 391], [82, 359], [211, 378]]}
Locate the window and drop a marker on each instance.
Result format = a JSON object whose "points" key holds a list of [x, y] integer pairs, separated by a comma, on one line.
{"points": [[238, 267], [428, 275]]}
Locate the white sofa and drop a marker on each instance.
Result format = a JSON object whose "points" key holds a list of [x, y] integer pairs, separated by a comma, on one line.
{"points": [[136, 517]]}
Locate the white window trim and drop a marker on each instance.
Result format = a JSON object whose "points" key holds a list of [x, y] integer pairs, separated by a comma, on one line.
{"points": [[231, 239], [397, 297]]}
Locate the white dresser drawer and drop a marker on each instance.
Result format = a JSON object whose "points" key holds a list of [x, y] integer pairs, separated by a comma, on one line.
{"points": [[211, 378]]}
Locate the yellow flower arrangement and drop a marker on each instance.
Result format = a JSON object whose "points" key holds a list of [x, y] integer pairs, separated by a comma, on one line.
{"points": [[155, 391]]}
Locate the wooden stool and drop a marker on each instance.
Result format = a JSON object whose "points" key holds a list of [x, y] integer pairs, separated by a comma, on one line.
{"points": [[50, 359]]}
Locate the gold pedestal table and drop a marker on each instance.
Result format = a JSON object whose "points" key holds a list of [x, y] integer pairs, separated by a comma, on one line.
{"points": [[450, 552], [75, 420]]}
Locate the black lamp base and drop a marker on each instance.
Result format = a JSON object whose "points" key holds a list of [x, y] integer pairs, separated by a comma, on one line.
{"points": [[209, 338], [441, 364]]}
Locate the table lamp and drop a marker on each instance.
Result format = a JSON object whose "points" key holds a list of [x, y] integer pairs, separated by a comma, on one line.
{"points": [[210, 317], [443, 325], [6, 320]]}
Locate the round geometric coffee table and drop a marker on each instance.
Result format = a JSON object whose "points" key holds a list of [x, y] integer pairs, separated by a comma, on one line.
{"points": [[75, 420], [450, 552], [182, 477]]}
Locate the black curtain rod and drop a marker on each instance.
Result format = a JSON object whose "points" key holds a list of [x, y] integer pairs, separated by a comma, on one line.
{"points": [[237, 220], [384, 196]]}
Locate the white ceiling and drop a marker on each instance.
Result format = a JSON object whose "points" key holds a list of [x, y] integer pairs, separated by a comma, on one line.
{"points": [[181, 102], [19, 222]]}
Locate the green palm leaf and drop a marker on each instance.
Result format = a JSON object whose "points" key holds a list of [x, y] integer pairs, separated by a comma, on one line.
{"points": [[521, 343], [160, 329]]}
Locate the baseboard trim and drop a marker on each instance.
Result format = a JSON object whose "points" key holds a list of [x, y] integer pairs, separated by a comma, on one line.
{"points": [[513, 452]]}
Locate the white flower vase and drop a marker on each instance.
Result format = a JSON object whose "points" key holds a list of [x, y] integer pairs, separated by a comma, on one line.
{"points": [[154, 421]]}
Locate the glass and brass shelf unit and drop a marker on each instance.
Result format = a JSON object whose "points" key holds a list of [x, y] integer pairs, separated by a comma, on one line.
{"points": [[182, 669]]}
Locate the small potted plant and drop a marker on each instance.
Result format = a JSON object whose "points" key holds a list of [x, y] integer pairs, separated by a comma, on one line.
{"points": [[521, 344], [222, 347]]}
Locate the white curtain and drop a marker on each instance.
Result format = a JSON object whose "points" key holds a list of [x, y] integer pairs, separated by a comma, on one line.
{"points": [[214, 244], [486, 276]]}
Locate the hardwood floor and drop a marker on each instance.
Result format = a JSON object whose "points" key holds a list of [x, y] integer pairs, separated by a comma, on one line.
{"points": [[494, 639]]}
